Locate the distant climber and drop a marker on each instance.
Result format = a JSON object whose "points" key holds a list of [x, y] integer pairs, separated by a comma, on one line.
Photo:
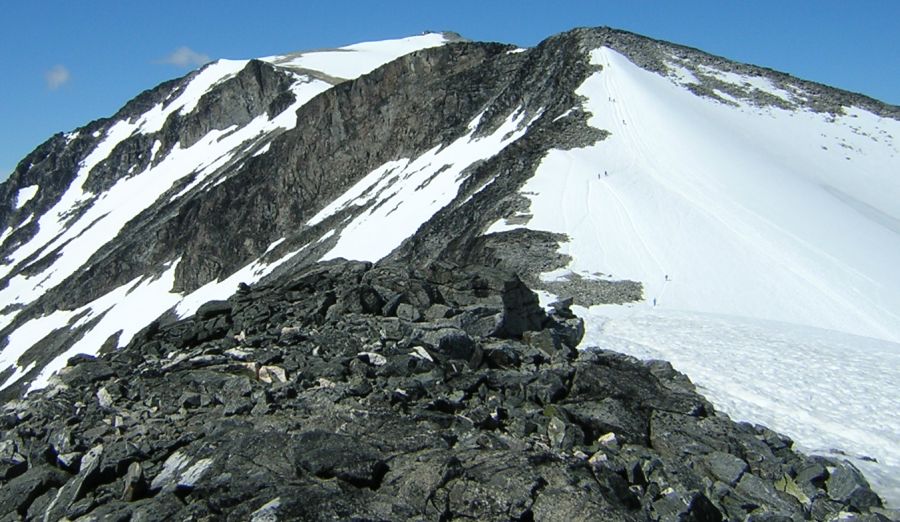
{"points": [[654, 301]]}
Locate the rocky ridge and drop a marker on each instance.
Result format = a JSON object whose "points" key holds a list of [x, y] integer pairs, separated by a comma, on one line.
{"points": [[359, 392], [252, 206]]}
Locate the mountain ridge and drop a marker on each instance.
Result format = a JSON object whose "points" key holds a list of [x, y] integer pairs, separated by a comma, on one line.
{"points": [[245, 169]]}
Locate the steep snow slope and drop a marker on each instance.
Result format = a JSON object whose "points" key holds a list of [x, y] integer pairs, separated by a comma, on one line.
{"points": [[737, 210], [752, 212]]}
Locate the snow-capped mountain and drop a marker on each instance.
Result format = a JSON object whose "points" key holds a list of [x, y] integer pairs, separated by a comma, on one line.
{"points": [[740, 222]]}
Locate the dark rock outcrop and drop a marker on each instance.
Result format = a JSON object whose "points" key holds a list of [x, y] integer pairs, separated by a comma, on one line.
{"points": [[358, 392]]}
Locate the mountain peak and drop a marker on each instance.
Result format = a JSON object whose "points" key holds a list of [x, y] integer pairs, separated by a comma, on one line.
{"points": [[654, 185]]}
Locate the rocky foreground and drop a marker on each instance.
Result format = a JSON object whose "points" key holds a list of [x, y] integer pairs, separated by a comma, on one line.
{"points": [[353, 392]]}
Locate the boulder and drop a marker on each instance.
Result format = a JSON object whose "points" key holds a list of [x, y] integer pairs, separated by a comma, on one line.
{"points": [[847, 485], [213, 309]]}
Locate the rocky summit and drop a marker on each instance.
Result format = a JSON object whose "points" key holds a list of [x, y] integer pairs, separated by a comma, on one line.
{"points": [[348, 391], [397, 281]]}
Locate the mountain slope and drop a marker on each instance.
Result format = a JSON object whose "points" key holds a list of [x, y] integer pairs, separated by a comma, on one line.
{"points": [[730, 207], [600, 165], [117, 223]]}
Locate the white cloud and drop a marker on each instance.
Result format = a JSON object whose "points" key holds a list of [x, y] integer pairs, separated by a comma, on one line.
{"points": [[56, 77], [186, 57]]}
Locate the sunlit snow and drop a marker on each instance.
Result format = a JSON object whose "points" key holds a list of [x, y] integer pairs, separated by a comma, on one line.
{"points": [[749, 82], [355, 60], [405, 194], [737, 208], [225, 288], [125, 310], [758, 213], [833, 393], [681, 74], [214, 73], [130, 307], [111, 210], [25, 195]]}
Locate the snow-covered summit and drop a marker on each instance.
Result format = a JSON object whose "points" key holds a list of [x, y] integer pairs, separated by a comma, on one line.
{"points": [[352, 61]]}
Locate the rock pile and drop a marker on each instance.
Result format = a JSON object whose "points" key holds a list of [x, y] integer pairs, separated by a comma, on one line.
{"points": [[359, 392]]}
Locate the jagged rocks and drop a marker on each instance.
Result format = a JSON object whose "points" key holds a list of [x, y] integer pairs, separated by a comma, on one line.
{"points": [[352, 391], [847, 485]]}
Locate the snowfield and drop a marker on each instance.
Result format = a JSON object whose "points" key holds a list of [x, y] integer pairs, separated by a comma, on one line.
{"points": [[741, 207], [768, 245], [834, 393]]}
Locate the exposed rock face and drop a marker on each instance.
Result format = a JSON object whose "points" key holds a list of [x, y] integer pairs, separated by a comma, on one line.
{"points": [[267, 187], [351, 391], [430, 386]]}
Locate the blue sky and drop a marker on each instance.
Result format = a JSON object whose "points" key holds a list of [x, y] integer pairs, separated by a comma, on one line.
{"points": [[65, 63]]}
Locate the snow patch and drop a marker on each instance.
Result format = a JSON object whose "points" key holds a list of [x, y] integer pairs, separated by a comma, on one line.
{"points": [[681, 74], [371, 185], [124, 310], [355, 60], [153, 151], [563, 115], [274, 245], [24, 337], [208, 77], [749, 82], [725, 96], [403, 194], [265, 148], [326, 235], [216, 290], [25, 194]]}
